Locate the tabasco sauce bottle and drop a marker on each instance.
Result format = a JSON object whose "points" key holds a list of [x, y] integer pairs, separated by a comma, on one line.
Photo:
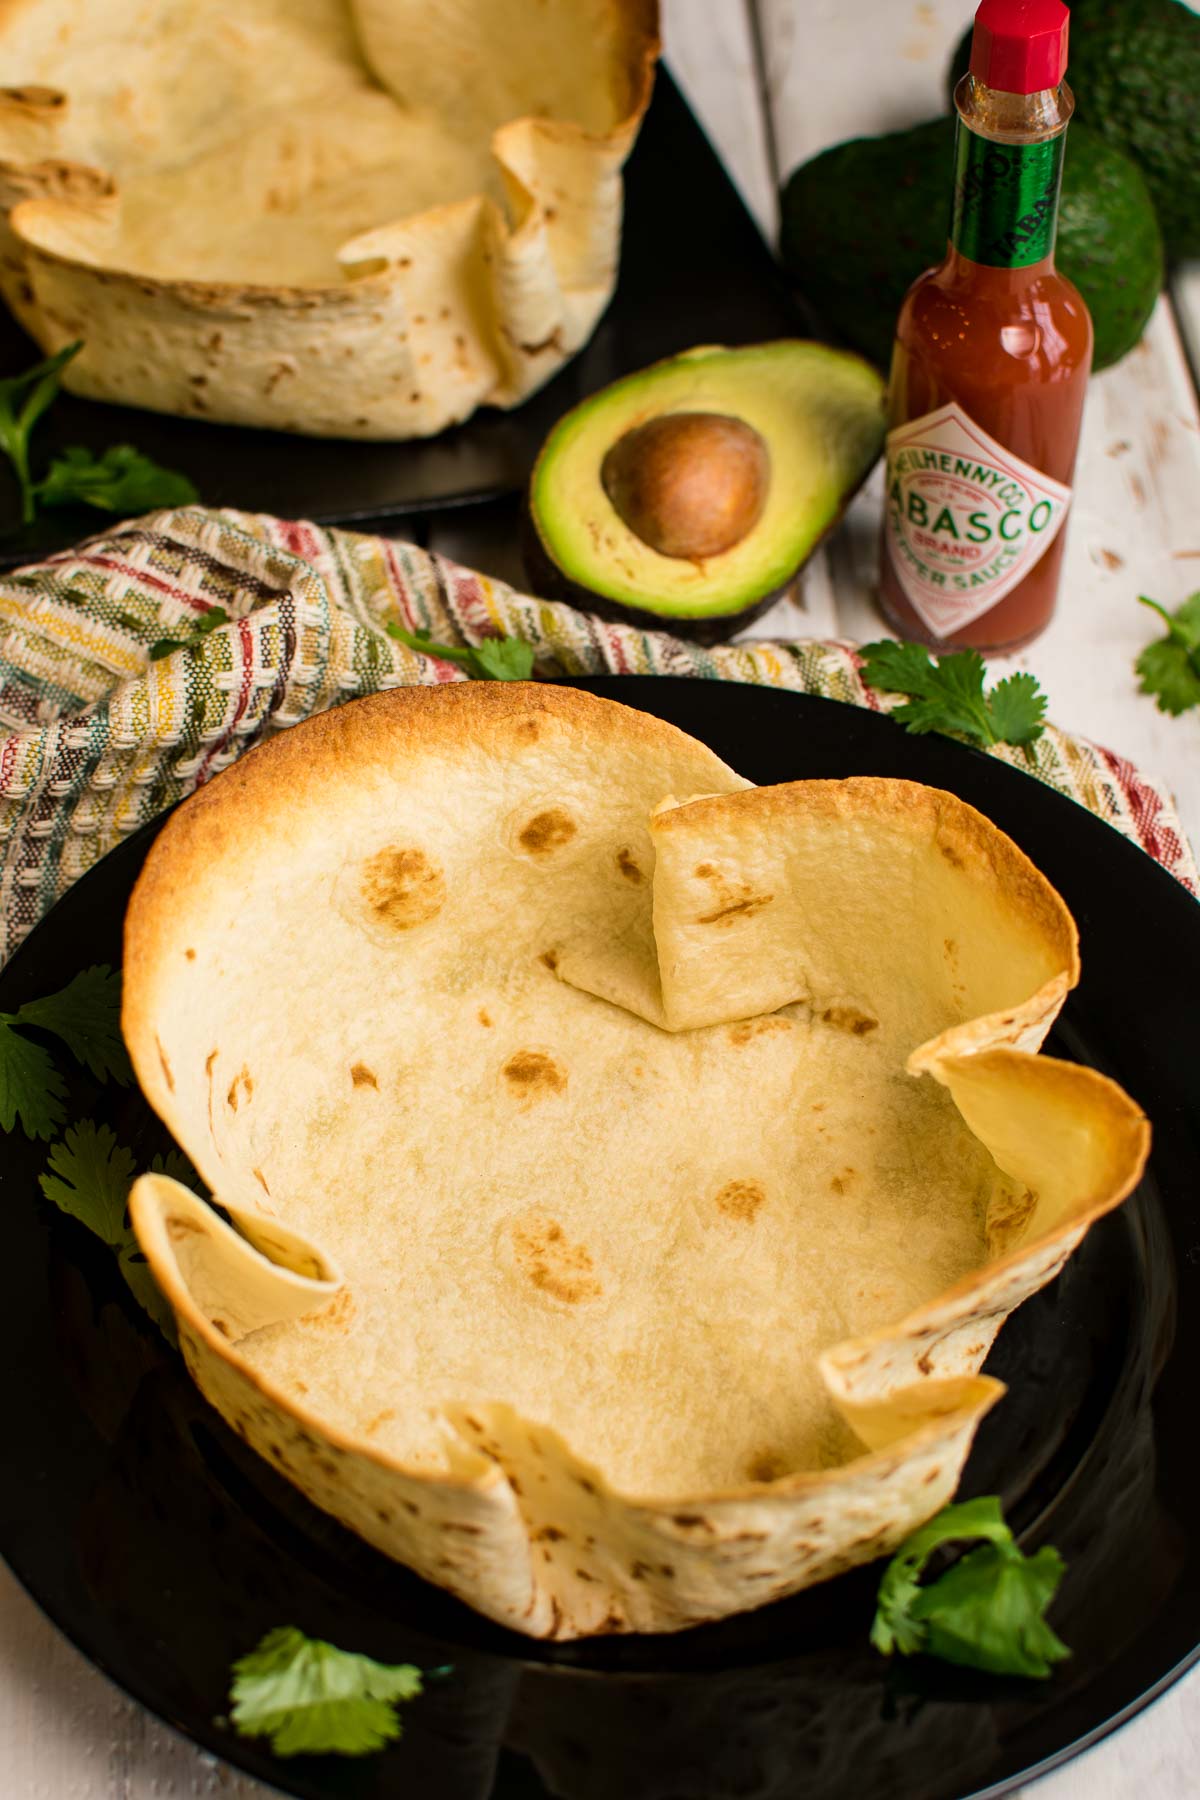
{"points": [[991, 361]]}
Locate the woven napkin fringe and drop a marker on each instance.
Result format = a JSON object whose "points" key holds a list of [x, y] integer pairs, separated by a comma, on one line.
{"points": [[97, 738]]}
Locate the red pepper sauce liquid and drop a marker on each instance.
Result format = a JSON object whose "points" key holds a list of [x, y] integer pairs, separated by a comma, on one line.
{"points": [[1014, 348]]}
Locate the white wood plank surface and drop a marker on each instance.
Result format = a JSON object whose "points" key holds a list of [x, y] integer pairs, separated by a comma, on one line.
{"points": [[834, 68]]}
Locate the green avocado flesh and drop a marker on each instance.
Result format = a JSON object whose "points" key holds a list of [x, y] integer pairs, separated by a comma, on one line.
{"points": [[864, 219], [1134, 69], [819, 412]]}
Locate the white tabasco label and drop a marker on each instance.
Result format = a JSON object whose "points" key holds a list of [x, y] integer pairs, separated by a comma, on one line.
{"points": [[966, 519]]}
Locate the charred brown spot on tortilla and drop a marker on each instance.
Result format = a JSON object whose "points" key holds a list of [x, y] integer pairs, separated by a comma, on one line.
{"points": [[381, 1418], [402, 887], [629, 867], [361, 1076], [485, 1017], [191, 955], [766, 1465], [208, 1070], [261, 1180], [164, 1065], [546, 831], [925, 1362], [549, 1534], [952, 856], [223, 1327], [849, 1018], [747, 1029], [583, 1575], [545, 1256], [550, 958], [383, 1515], [740, 1199], [179, 1228], [1007, 1217], [410, 1506], [927, 1480], [244, 1081], [743, 908], [533, 1074]]}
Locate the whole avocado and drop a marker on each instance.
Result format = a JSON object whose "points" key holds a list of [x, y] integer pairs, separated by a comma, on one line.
{"points": [[1134, 69], [861, 221]]}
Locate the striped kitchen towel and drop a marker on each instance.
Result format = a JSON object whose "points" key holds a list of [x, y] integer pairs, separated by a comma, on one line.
{"points": [[97, 737]]}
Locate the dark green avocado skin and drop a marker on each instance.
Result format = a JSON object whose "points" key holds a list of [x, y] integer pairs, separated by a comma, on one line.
{"points": [[861, 221], [1134, 69], [548, 582]]}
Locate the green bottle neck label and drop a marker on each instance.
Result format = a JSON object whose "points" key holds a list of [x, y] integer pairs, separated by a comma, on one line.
{"points": [[1005, 199]]}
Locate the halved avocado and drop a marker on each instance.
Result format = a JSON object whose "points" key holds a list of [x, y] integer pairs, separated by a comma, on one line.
{"points": [[688, 495]]}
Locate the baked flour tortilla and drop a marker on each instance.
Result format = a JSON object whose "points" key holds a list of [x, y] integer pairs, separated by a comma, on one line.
{"points": [[353, 218], [603, 1325]]}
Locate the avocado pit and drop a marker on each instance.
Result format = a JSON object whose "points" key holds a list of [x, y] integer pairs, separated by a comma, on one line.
{"points": [[689, 484]]}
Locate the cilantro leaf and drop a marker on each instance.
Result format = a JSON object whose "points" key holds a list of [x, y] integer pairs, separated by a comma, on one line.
{"points": [[986, 1612], [23, 400], [176, 1165], [31, 1088], [122, 480], [897, 668], [90, 1176], [86, 1015], [309, 1698], [948, 695], [493, 659], [1170, 667], [216, 615], [135, 1269], [504, 659], [1018, 709]]}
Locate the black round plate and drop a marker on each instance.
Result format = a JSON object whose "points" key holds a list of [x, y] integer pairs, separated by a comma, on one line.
{"points": [[164, 1548]]}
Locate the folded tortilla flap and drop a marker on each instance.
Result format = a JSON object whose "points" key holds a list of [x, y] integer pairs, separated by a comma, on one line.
{"points": [[867, 898], [232, 1279], [1073, 1140]]}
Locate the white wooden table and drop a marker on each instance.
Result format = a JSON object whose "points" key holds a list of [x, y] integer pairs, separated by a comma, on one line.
{"points": [[774, 81]]}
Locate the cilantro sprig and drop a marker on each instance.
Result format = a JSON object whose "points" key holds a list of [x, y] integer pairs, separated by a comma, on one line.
{"points": [[23, 400], [209, 621], [122, 480], [1170, 667], [493, 659], [948, 695], [986, 1612], [85, 1016], [88, 1176], [310, 1698]]}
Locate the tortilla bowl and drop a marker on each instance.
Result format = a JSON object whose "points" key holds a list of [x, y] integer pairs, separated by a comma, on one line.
{"points": [[351, 218], [627, 1170]]}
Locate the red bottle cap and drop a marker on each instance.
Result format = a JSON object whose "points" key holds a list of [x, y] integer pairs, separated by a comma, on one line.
{"points": [[1020, 46]]}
